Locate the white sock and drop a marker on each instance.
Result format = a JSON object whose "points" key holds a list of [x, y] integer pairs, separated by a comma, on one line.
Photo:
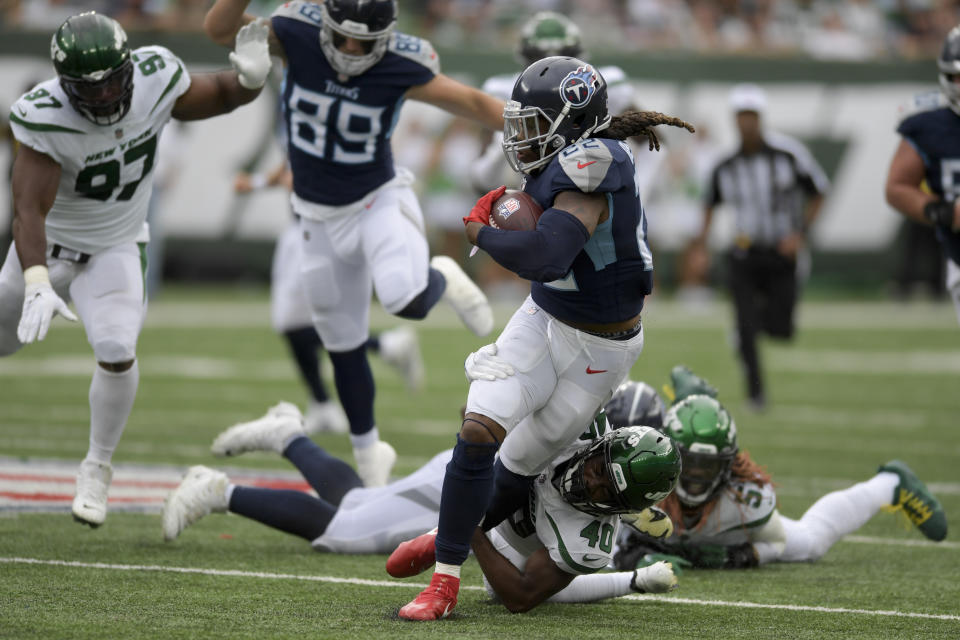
{"points": [[364, 440], [229, 493], [448, 569], [111, 399], [595, 586]]}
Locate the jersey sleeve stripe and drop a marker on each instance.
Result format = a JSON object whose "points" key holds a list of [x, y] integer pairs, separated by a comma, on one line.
{"points": [[750, 525], [565, 554], [40, 126], [169, 87]]}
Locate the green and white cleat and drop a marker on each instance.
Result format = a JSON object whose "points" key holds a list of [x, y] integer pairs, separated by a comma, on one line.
{"points": [[918, 504]]}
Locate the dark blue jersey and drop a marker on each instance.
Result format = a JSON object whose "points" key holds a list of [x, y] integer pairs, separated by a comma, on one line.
{"points": [[339, 128], [934, 131], [611, 275]]}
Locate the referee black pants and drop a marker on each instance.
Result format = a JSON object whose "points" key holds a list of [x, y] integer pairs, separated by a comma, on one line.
{"points": [[764, 288]]}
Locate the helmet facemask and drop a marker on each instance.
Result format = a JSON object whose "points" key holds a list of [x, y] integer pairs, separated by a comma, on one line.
{"points": [[529, 129], [333, 33], [703, 473], [103, 98]]}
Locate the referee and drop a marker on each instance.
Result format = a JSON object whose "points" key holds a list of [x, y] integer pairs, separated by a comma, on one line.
{"points": [[776, 189]]}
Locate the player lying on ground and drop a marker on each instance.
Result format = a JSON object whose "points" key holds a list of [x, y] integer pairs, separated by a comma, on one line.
{"points": [[526, 561], [725, 512]]}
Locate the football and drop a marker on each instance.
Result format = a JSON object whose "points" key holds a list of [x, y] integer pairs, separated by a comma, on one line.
{"points": [[515, 211]]}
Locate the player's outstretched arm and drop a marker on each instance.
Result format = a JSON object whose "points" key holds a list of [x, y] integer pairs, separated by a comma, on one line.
{"points": [[519, 591], [904, 194], [225, 19], [460, 100], [213, 94]]}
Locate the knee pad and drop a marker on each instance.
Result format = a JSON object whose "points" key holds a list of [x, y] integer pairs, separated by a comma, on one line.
{"points": [[473, 457], [319, 284]]}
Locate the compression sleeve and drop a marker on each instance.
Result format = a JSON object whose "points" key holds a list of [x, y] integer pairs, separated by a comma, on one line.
{"points": [[544, 254]]}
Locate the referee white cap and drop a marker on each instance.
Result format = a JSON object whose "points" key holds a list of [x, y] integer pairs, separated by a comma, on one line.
{"points": [[748, 97]]}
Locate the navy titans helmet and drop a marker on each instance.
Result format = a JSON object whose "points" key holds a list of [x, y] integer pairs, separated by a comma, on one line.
{"points": [[949, 65], [635, 403], [556, 102], [371, 21]]}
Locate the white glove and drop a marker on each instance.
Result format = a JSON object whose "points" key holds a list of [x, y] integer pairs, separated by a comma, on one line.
{"points": [[251, 55], [484, 364], [657, 578], [40, 304], [652, 522]]}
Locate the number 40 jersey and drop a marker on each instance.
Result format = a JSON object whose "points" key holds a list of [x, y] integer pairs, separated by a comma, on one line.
{"points": [[106, 170]]}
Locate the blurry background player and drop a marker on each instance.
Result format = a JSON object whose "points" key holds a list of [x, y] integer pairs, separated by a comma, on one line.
{"points": [[776, 189], [724, 508], [579, 332], [348, 72], [81, 185], [290, 317], [567, 530], [922, 183]]}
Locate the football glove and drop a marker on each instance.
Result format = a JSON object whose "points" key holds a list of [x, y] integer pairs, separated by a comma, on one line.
{"points": [[251, 54], [484, 364], [40, 304], [652, 522], [718, 556], [678, 563], [481, 211], [658, 577]]}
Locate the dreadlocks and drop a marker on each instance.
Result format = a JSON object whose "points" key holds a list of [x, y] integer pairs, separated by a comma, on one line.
{"points": [[640, 123]]}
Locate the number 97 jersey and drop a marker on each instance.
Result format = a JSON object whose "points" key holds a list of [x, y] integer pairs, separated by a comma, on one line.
{"points": [[106, 170]]}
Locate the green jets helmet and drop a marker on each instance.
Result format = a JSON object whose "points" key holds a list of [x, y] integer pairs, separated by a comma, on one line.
{"points": [[91, 56], [707, 438], [639, 466], [549, 34]]}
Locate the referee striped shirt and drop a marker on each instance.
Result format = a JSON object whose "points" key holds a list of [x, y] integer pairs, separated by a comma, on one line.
{"points": [[767, 189]]}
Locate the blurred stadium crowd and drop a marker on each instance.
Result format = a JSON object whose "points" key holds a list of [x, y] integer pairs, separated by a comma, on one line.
{"points": [[825, 29]]}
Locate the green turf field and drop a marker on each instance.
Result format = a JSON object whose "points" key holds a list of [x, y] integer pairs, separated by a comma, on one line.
{"points": [[862, 384]]}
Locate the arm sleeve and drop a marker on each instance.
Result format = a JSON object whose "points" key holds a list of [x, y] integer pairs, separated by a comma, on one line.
{"points": [[542, 255]]}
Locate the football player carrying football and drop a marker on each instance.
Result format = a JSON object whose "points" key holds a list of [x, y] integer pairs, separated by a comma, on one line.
{"points": [[576, 336], [548, 550], [348, 73], [922, 182], [81, 184], [724, 508]]}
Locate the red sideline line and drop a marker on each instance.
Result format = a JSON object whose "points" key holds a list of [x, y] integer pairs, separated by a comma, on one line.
{"points": [[297, 485]]}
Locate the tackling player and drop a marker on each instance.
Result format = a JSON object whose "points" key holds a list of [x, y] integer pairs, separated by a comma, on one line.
{"points": [[577, 335], [348, 73], [81, 184], [725, 512], [922, 182], [546, 551]]}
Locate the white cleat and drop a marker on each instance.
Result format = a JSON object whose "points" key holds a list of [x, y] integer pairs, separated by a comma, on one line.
{"points": [[325, 417], [90, 503], [374, 463], [400, 348], [202, 491], [269, 433], [464, 296], [656, 578]]}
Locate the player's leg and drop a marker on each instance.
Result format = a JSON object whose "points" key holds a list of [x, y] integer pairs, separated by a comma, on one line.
{"points": [[11, 302], [742, 290], [953, 285], [780, 288], [111, 302], [338, 287]]}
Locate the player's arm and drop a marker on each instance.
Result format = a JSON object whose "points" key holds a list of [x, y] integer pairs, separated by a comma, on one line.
{"points": [[519, 591], [904, 194], [547, 252], [460, 100], [225, 19], [35, 179]]}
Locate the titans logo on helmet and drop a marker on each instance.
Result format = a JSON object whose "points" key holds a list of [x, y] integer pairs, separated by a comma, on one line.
{"points": [[579, 86]]}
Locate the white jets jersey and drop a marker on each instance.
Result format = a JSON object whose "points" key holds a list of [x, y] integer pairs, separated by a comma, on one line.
{"points": [[106, 170], [741, 508]]}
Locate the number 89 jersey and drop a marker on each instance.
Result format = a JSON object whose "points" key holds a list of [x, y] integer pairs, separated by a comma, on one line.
{"points": [[106, 170]]}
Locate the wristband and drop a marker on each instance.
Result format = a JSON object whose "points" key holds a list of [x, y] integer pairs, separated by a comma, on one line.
{"points": [[939, 212], [37, 274]]}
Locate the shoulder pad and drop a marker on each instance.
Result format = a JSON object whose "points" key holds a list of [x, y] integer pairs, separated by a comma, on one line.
{"points": [[162, 73], [43, 109], [415, 49], [587, 163], [308, 12], [927, 101]]}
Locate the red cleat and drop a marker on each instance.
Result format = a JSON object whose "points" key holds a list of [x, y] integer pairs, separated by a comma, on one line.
{"points": [[435, 602], [413, 556]]}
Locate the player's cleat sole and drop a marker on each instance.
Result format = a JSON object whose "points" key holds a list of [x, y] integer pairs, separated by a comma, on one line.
{"points": [[413, 557], [375, 463], [435, 602], [269, 433], [917, 502], [201, 492], [90, 504], [464, 296], [325, 417]]}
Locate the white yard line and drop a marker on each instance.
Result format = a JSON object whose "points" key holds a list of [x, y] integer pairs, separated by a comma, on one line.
{"points": [[411, 585]]}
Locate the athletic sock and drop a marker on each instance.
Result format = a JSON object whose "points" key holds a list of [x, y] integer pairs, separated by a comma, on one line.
{"points": [[511, 491], [329, 476], [418, 308], [466, 491], [305, 345], [290, 511], [111, 399], [354, 380]]}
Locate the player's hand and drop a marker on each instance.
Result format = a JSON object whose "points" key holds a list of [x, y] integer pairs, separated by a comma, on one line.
{"points": [[481, 211], [485, 364], [251, 54], [655, 578], [704, 556], [40, 304], [652, 522], [243, 183]]}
